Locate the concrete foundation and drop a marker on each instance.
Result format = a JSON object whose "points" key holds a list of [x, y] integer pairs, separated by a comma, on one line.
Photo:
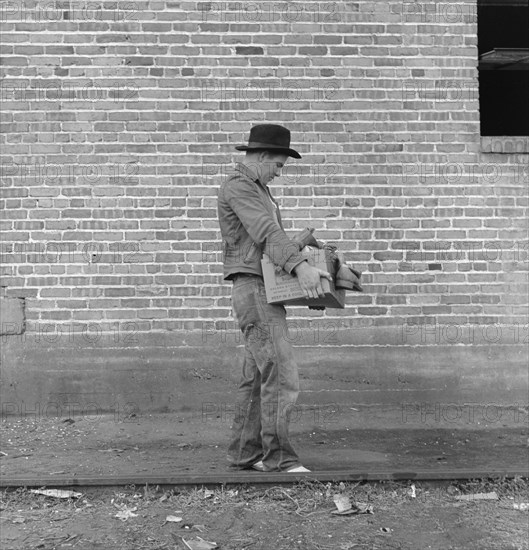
{"points": [[165, 373]]}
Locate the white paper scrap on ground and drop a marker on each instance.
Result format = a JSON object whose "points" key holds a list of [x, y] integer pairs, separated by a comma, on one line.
{"points": [[345, 508], [199, 544], [479, 496], [125, 513], [174, 519], [342, 503], [57, 493]]}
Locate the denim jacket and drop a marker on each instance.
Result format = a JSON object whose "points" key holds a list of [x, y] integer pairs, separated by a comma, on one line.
{"points": [[250, 224]]}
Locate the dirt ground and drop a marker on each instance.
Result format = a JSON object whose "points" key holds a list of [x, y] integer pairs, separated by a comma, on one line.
{"points": [[283, 517], [273, 517], [361, 439]]}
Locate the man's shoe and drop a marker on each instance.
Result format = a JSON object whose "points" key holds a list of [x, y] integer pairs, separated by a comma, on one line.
{"points": [[259, 466], [297, 470]]}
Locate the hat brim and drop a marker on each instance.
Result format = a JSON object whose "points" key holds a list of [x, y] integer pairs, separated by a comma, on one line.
{"points": [[283, 150]]}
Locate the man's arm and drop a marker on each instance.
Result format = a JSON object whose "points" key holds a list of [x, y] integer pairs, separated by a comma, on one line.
{"points": [[249, 206]]}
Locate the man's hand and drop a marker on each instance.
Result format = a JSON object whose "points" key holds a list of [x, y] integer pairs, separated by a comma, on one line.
{"points": [[309, 279]]}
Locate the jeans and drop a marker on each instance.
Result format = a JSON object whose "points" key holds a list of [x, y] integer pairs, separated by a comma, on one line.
{"points": [[269, 386]]}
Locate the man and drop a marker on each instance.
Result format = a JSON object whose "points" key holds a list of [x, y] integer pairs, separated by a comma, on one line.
{"points": [[250, 224]]}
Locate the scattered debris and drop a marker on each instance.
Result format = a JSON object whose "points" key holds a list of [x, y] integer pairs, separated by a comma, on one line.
{"points": [[349, 512], [411, 492], [86, 505], [125, 513], [342, 503], [243, 542], [208, 493], [70, 538], [345, 508], [301, 510], [68, 421], [62, 518], [57, 493], [19, 520], [364, 508], [479, 496], [173, 519], [199, 544], [201, 528], [523, 506]]}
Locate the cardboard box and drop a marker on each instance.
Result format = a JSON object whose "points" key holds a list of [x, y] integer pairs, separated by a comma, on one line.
{"points": [[282, 288]]}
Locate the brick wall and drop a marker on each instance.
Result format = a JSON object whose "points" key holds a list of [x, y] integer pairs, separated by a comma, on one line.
{"points": [[120, 120]]}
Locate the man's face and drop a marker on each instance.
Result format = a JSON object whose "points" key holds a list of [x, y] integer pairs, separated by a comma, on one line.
{"points": [[270, 165]]}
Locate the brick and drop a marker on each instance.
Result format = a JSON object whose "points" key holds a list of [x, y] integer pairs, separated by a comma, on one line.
{"points": [[343, 50], [61, 315], [384, 256], [139, 61], [249, 50], [54, 292], [390, 300], [402, 289], [454, 299], [135, 303], [372, 310], [387, 213], [72, 304], [358, 106], [313, 50], [119, 292]]}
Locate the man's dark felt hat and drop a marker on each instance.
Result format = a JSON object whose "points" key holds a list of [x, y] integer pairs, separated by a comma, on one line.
{"points": [[270, 137]]}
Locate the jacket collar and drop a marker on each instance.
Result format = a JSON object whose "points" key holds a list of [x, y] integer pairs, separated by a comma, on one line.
{"points": [[248, 172], [243, 169]]}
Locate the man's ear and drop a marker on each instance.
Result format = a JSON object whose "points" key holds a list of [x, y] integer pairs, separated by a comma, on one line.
{"points": [[262, 156]]}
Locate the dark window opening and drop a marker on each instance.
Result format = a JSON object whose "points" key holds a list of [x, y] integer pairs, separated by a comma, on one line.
{"points": [[503, 46]]}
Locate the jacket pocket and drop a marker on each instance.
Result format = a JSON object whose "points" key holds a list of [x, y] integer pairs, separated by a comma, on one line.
{"points": [[253, 254]]}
